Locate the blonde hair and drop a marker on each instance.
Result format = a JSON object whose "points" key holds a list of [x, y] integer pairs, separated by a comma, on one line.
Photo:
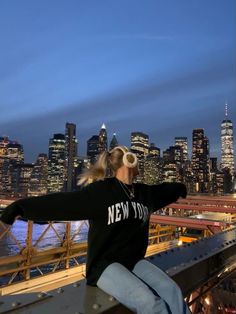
{"points": [[107, 165]]}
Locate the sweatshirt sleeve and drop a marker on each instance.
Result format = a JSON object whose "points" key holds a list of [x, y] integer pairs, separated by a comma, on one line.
{"points": [[79, 205], [166, 193]]}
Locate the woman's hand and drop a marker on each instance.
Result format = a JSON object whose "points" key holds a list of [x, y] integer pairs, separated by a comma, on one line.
{"points": [[11, 213]]}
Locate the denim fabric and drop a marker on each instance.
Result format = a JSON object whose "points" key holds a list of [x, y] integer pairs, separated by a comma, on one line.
{"points": [[145, 290]]}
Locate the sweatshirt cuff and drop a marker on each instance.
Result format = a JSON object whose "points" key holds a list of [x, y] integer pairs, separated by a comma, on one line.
{"points": [[11, 212]]}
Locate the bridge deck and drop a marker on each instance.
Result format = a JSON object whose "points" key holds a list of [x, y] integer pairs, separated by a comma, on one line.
{"points": [[209, 260]]}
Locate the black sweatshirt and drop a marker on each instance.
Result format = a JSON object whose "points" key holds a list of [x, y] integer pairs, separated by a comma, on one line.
{"points": [[118, 226]]}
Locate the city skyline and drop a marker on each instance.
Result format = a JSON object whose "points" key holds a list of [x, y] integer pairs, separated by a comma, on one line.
{"points": [[128, 142], [162, 68]]}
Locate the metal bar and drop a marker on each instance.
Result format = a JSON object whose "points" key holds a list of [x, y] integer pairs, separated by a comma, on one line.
{"points": [[79, 229], [187, 222], [57, 234], [43, 234], [7, 231], [68, 244], [220, 209], [28, 249], [206, 201]]}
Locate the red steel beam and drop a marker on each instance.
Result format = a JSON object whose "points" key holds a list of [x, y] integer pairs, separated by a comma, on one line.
{"points": [[210, 201], [188, 222], [219, 209]]}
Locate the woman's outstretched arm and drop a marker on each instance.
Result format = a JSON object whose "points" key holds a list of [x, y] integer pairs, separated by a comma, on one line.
{"points": [[77, 205], [166, 193]]}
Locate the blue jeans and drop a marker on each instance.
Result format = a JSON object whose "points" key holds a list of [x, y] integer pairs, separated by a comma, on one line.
{"points": [[145, 290]]}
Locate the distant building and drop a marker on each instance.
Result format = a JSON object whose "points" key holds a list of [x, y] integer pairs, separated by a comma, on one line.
{"points": [[151, 169], [103, 139], [71, 155], [200, 161], [227, 145], [114, 142], [187, 176], [170, 172], [11, 155], [140, 147], [154, 151], [93, 148], [216, 178], [56, 163], [39, 176], [23, 177], [183, 143], [173, 154], [4, 164]]}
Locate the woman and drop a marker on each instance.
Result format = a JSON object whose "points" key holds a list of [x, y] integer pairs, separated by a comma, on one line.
{"points": [[118, 212]]}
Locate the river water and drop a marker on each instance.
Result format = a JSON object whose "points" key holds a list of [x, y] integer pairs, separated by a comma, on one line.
{"points": [[8, 245]]}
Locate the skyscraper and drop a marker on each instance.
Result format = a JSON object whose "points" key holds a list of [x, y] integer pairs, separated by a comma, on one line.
{"points": [[154, 151], [39, 176], [103, 139], [172, 162], [182, 141], [23, 176], [227, 145], [11, 155], [140, 147], [113, 142], [4, 164], [200, 161], [71, 154], [93, 148], [152, 168], [56, 163]]}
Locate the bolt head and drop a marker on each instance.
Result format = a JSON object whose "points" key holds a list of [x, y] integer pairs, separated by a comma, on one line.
{"points": [[96, 306]]}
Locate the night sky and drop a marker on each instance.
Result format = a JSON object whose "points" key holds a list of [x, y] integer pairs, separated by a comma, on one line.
{"points": [[162, 67]]}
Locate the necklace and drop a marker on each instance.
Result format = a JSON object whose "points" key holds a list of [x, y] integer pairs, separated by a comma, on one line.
{"points": [[128, 192]]}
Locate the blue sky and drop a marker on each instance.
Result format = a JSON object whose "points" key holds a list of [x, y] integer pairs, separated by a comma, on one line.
{"points": [[160, 67]]}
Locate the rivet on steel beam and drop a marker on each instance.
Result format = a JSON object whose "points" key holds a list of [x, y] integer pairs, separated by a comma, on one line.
{"points": [[60, 290], [96, 306], [15, 304], [111, 298], [76, 284], [41, 294]]}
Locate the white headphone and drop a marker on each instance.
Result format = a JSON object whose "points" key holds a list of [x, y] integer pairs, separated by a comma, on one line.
{"points": [[125, 160]]}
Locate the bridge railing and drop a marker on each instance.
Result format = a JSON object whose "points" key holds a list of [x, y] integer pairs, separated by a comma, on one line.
{"points": [[32, 260]]}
